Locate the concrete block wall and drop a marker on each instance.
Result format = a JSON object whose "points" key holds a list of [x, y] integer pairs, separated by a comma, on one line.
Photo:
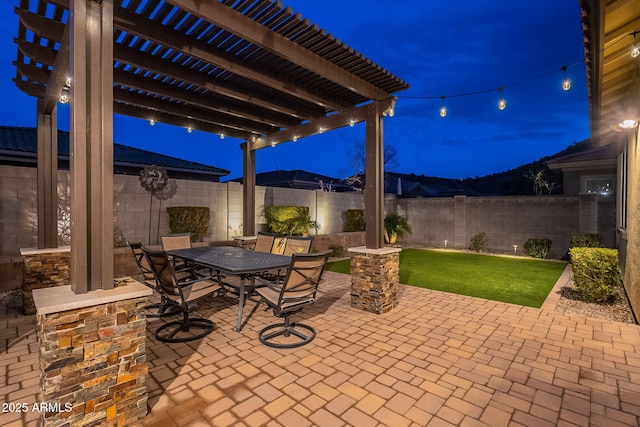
{"points": [[18, 217], [505, 220]]}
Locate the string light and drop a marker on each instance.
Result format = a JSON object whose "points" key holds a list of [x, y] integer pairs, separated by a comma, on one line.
{"points": [[502, 104], [273, 143], [222, 136], [321, 129], [351, 123], [443, 109], [635, 51], [64, 96], [295, 138], [189, 129], [152, 122], [566, 83]]}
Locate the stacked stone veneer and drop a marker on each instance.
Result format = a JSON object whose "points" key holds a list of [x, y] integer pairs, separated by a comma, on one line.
{"points": [[374, 279], [44, 270], [93, 361]]}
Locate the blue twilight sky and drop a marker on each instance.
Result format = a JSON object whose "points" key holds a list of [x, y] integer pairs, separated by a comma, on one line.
{"points": [[441, 49]]}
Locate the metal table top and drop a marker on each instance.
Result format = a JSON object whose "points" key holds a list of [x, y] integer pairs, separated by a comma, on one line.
{"points": [[232, 259]]}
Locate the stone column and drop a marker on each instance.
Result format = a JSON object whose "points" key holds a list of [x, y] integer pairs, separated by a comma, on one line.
{"points": [[374, 278], [92, 355], [43, 268]]}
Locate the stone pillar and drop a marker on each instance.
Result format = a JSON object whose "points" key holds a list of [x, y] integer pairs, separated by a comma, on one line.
{"points": [[43, 268], [92, 355], [246, 242], [374, 278]]}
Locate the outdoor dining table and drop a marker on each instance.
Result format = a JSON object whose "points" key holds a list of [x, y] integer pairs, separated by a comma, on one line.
{"points": [[231, 260]]}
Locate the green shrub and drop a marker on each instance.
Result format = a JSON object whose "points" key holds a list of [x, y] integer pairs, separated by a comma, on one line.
{"points": [[596, 273], [289, 220], [354, 220], [479, 243], [585, 240], [395, 227], [189, 219], [537, 248], [337, 251]]}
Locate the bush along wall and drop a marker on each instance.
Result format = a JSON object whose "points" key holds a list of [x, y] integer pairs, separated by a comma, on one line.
{"points": [[596, 274], [537, 248], [289, 220], [354, 220], [189, 219]]}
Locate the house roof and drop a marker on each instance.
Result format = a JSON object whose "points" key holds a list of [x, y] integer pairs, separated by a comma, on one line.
{"points": [[588, 160], [298, 179], [253, 70], [18, 145]]}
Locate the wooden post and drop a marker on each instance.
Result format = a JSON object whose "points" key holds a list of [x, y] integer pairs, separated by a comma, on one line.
{"points": [[91, 151], [249, 190], [374, 179], [47, 177]]}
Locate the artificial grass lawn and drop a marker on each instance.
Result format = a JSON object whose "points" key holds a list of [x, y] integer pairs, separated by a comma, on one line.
{"points": [[521, 281]]}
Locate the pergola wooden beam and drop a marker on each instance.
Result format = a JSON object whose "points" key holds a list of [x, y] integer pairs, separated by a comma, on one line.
{"points": [[248, 29], [336, 121]]}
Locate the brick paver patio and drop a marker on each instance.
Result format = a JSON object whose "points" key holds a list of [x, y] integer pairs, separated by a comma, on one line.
{"points": [[437, 359]]}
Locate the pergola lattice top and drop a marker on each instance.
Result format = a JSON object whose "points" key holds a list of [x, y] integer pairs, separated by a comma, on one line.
{"points": [[244, 69]]}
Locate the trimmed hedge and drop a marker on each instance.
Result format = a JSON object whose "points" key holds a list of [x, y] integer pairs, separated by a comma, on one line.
{"points": [[585, 240], [596, 273], [189, 219], [354, 220], [537, 248]]}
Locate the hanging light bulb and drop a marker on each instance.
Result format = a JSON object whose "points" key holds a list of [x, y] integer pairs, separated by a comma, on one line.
{"points": [[222, 136], [321, 129], [295, 138], [68, 81], [64, 96], [392, 112], [443, 109], [502, 104], [635, 51], [189, 129], [273, 143], [566, 83], [152, 122], [351, 123]]}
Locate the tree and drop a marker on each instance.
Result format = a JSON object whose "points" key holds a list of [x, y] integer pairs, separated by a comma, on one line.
{"points": [[357, 156]]}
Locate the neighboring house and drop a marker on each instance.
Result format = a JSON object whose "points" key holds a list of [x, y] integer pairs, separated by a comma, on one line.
{"points": [[18, 147], [590, 171], [299, 179]]}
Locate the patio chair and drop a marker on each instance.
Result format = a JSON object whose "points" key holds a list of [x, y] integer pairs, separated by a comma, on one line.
{"points": [[181, 292], [297, 291], [264, 242], [176, 241], [297, 245], [279, 243], [292, 245], [163, 308]]}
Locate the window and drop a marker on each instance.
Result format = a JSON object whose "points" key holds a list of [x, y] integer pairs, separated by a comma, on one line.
{"points": [[598, 186]]}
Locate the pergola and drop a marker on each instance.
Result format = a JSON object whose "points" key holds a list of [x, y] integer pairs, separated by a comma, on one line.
{"points": [[248, 69]]}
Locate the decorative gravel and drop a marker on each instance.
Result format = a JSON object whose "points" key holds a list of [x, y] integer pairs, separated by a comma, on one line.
{"points": [[620, 311]]}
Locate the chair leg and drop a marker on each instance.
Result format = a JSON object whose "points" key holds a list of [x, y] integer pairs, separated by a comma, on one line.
{"points": [[286, 329], [181, 330], [162, 309]]}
